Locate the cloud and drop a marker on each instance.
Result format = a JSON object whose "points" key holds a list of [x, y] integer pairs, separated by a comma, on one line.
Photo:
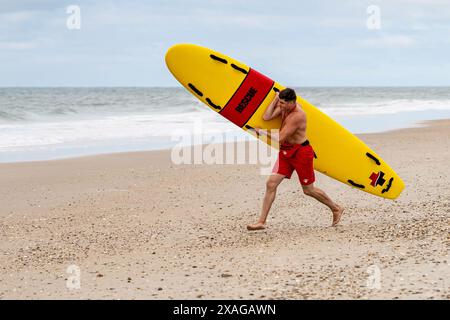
{"points": [[390, 41], [26, 45], [17, 17]]}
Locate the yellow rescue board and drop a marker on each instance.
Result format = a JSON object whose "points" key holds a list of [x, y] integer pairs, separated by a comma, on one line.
{"points": [[241, 94]]}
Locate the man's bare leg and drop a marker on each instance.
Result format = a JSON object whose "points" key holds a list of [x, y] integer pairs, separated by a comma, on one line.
{"points": [[271, 190], [321, 196]]}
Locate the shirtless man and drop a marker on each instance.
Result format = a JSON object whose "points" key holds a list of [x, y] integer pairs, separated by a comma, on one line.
{"points": [[295, 154]]}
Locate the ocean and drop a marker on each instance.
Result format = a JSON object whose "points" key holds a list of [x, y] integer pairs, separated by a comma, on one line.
{"points": [[51, 123]]}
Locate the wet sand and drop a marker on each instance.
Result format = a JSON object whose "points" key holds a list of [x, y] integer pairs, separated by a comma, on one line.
{"points": [[139, 227]]}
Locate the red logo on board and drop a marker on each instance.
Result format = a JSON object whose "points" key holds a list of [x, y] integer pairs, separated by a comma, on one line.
{"points": [[377, 179]]}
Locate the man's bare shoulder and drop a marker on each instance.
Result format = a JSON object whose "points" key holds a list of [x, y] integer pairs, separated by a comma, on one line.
{"points": [[299, 107]]}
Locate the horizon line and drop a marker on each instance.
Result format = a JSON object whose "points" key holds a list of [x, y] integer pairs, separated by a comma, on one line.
{"points": [[176, 87]]}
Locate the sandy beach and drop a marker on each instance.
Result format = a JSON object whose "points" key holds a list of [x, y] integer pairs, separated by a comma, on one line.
{"points": [[136, 226]]}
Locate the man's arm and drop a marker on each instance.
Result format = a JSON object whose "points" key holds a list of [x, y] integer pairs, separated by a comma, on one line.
{"points": [[272, 110]]}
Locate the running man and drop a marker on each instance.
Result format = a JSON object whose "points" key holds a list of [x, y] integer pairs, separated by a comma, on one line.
{"points": [[296, 153]]}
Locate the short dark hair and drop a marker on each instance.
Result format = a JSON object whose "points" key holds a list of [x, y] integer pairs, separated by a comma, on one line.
{"points": [[288, 94]]}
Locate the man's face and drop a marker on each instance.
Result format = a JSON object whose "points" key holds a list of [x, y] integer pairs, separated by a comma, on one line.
{"points": [[286, 105]]}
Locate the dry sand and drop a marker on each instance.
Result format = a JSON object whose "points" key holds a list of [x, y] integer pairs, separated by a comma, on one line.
{"points": [[139, 227]]}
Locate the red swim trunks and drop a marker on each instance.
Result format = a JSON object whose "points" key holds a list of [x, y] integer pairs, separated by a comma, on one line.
{"points": [[298, 157]]}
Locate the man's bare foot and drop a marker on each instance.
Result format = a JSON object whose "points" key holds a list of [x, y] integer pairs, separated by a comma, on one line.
{"points": [[256, 226], [337, 214]]}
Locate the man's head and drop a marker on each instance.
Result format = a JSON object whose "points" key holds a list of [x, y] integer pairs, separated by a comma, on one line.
{"points": [[288, 99]]}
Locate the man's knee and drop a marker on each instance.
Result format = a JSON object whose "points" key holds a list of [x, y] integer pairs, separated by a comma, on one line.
{"points": [[308, 190], [271, 185]]}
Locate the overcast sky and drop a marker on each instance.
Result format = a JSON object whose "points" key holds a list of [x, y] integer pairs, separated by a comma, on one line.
{"points": [[298, 43]]}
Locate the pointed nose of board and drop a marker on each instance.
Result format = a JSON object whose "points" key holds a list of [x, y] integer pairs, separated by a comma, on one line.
{"points": [[174, 55]]}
